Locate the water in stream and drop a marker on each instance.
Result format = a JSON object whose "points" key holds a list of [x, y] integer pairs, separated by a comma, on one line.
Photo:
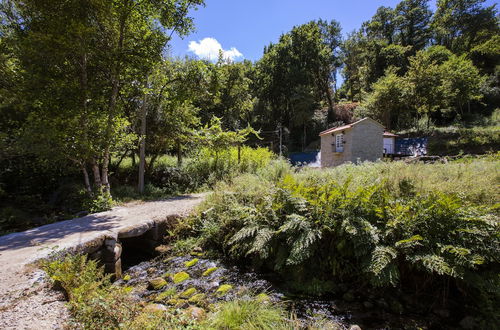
{"points": [[211, 281]]}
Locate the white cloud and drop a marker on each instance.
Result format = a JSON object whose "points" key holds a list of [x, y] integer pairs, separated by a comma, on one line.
{"points": [[209, 48]]}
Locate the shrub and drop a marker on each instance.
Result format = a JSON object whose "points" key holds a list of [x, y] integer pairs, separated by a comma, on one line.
{"points": [[93, 301]]}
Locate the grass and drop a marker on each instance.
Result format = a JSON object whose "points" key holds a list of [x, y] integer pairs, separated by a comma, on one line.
{"points": [[248, 315], [473, 180]]}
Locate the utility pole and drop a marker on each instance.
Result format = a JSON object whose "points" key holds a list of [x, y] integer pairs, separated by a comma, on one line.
{"points": [[281, 139]]}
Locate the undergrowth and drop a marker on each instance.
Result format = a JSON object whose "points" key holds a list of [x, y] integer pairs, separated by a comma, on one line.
{"points": [[429, 230], [95, 303]]}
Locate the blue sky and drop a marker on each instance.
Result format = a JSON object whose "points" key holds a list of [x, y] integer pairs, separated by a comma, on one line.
{"points": [[243, 27]]}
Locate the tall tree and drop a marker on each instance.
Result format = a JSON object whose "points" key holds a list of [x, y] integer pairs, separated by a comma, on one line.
{"points": [[460, 25], [413, 19]]}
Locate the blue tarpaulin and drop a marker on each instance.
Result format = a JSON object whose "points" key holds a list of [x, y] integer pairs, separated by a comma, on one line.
{"points": [[411, 146], [297, 158]]}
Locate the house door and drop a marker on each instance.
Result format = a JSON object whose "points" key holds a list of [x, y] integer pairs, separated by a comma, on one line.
{"points": [[388, 146]]}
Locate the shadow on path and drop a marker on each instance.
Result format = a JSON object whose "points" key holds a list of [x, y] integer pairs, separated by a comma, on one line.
{"points": [[56, 231]]}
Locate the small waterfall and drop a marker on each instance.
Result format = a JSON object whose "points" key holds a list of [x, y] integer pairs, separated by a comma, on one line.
{"points": [[317, 162]]}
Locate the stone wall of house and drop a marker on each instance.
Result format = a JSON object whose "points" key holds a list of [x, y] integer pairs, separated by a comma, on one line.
{"points": [[367, 141], [329, 156], [327, 150]]}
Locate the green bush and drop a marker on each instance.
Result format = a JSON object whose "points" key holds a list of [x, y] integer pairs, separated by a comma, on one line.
{"points": [[93, 302], [420, 228], [200, 170]]}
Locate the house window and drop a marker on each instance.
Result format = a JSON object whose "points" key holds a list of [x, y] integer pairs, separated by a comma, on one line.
{"points": [[339, 142]]}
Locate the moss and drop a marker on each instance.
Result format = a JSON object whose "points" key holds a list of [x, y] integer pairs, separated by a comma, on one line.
{"points": [[180, 277], [167, 260], [167, 276], [223, 289], [177, 302], [169, 293], [128, 289], [126, 278], [196, 254], [209, 271], [188, 293], [191, 263], [197, 298], [157, 283], [262, 297]]}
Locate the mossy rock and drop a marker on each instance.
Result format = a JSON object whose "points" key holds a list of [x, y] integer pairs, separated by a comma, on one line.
{"points": [[167, 260], [126, 278], [177, 302], [191, 263], [169, 293], [223, 289], [209, 271], [197, 298], [188, 293], [128, 289], [157, 283], [262, 297], [180, 277]]}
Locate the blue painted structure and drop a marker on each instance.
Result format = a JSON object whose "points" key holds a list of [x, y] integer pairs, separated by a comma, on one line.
{"points": [[411, 146], [298, 158]]}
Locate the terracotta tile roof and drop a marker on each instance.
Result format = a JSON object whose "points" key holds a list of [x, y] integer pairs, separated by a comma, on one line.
{"points": [[340, 128], [335, 129], [389, 134]]}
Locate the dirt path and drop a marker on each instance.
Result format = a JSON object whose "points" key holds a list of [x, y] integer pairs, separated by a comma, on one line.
{"points": [[25, 301]]}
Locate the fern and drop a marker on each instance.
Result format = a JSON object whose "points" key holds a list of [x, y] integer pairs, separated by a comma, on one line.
{"points": [[244, 234], [302, 247], [261, 242], [411, 242], [382, 267], [436, 264]]}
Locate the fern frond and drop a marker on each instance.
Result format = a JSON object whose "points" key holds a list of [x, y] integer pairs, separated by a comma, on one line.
{"points": [[262, 239], [244, 234], [436, 264], [382, 266], [410, 242], [302, 247], [295, 223]]}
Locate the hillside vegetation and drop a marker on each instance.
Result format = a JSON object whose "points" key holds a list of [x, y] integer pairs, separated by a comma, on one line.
{"points": [[424, 235]]}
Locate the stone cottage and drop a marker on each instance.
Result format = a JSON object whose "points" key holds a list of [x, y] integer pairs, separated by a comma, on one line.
{"points": [[360, 141]]}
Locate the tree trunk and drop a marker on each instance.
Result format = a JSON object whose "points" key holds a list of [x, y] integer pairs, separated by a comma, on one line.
{"points": [[239, 153], [142, 144], [150, 164], [179, 154], [97, 176], [115, 88], [86, 179]]}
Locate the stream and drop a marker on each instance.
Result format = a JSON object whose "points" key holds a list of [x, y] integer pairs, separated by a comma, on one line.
{"points": [[193, 280]]}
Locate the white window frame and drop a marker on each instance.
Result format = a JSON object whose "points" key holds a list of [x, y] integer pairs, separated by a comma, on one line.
{"points": [[339, 142]]}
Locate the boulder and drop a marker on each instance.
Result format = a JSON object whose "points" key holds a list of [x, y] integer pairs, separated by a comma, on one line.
{"points": [[155, 308], [196, 313], [157, 283]]}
